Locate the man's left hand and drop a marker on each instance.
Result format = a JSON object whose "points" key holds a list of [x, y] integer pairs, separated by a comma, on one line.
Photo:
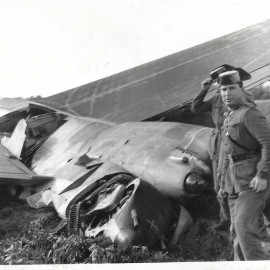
{"points": [[258, 184]]}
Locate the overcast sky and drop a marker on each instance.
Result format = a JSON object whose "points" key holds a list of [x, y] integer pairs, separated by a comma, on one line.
{"points": [[48, 46]]}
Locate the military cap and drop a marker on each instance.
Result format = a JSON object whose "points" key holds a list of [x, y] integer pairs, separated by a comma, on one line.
{"points": [[244, 75], [215, 73], [229, 77]]}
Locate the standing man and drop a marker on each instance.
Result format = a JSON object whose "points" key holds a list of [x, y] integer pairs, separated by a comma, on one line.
{"points": [[217, 108], [246, 166]]}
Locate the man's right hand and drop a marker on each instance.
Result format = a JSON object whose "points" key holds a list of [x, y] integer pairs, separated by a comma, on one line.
{"points": [[222, 194], [206, 84]]}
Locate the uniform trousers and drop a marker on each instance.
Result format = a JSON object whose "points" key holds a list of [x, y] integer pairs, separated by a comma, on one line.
{"points": [[245, 209], [223, 203]]}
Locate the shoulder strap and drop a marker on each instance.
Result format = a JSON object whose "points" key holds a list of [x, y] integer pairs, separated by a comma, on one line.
{"points": [[243, 111], [239, 145]]}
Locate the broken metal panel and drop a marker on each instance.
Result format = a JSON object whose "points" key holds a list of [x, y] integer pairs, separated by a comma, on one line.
{"points": [[143, 149], [63, 200], [184, 221], [8, 161], [15, 143], [158, 86], [15, 110], [147, 152], [67, 145], [154, 213], [80, 178], [74, 154], [86, 154], [143, 217], [56, 184], [9, 121], [40, 199], [14, 172], [107, 203]]}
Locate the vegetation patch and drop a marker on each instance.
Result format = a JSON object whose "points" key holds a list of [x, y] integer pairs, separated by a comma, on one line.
{"points": [[38, 236]]}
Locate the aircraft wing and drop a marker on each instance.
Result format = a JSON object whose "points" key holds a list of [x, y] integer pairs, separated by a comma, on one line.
{"points": [[14, 172], [158, 86]]}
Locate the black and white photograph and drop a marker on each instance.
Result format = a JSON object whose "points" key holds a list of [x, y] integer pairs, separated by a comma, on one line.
{"points": [[134, 134]]}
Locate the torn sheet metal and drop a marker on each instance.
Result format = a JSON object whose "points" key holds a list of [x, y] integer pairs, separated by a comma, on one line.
{"points": [[184, 221], [14, 172], [89, 158], [15, 143], [40, 199]]}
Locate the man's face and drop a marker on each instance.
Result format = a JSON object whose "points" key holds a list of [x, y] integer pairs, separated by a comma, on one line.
{"points": [[231, 94]]}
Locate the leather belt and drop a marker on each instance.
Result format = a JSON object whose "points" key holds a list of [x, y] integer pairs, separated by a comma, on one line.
{"points": [[244, 156]]}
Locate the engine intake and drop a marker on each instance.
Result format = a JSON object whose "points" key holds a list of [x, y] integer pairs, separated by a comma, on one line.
{"points": [[194, 183]]}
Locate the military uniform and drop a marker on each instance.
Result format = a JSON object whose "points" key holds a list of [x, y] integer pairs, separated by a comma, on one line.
{"points": [[218, 109], [246, 142]]}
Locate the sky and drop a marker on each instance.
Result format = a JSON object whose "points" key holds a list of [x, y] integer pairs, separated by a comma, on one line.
{"points": [[49, 46]]}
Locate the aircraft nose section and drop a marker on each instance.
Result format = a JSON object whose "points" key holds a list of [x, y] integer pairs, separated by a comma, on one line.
{"points": [[144, 218]]}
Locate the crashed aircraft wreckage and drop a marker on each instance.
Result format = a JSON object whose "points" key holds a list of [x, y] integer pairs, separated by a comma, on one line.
{"points": [[115, 179], [118, 179]]}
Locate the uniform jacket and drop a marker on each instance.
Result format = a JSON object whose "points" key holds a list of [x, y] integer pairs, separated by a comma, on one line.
{"points": [[247, 126], [217, 108]]}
